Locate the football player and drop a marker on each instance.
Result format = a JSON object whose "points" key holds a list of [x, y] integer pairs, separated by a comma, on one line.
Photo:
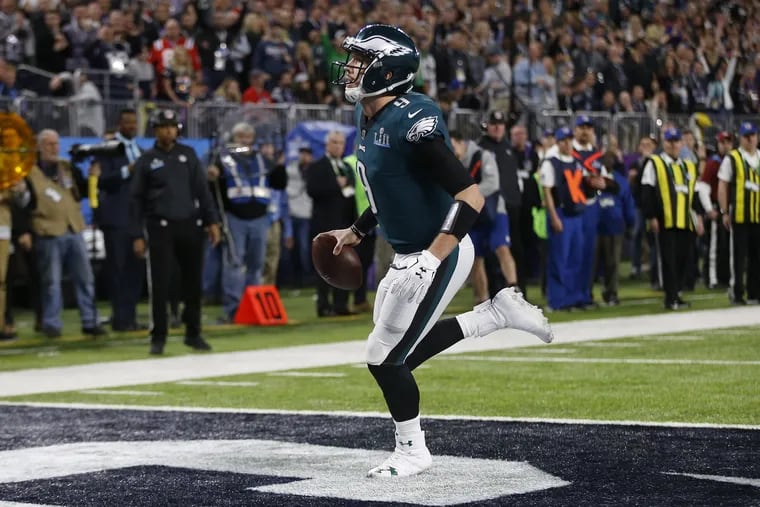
{"points": [[425, 203]]}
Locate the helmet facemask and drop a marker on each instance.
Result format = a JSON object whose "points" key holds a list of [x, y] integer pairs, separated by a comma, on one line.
{"points": [[350, 74]]}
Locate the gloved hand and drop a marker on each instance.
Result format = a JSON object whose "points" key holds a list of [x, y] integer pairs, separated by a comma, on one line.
{"points": [[414, 284]]}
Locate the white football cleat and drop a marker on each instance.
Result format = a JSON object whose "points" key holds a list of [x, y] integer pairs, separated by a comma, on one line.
{"points": [[508, 309], [409, 458]]}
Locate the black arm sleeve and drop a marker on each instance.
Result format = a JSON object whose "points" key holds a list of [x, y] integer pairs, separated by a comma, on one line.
{"points": [[365, 223], [439, 162]]}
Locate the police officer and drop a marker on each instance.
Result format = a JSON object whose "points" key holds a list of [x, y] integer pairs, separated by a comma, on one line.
{"points": [[171, 202], [668, 198]]}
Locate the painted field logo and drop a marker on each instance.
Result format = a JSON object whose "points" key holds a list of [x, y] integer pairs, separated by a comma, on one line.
{"points": [[333, 472]]}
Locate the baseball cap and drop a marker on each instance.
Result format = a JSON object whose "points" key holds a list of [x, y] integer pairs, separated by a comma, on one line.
{"points": [[672, 134], [165, 117], [584, 119], [306, 148], [497, 117], [747, 128], [724, 135], [548, 132], [563, 133]]}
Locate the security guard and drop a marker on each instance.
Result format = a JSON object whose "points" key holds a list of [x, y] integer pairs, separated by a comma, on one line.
{"points": [[739, 187], [171, 202], [668, 199]]}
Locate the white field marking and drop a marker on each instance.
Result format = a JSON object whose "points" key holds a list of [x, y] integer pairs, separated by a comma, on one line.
{"points": [[552, 350], [311, 470], [219, 383], [622, 345], [743, 481], [199, 366], [381, 415], [18, 352], [122, 393], [314, 374], [533, 359], [50, 353]]}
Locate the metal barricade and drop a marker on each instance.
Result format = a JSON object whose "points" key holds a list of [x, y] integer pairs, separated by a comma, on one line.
{"points": [[467, 122], [629, 128]]}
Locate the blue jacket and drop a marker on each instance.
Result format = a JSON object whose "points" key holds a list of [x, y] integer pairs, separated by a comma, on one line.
{"points": [[617, 210]]}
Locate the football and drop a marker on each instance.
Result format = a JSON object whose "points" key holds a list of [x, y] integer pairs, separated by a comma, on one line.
{"points": [[342, 271]]}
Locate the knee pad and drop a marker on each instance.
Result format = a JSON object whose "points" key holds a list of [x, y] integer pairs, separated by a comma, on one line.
{"points": [[380, 343]]}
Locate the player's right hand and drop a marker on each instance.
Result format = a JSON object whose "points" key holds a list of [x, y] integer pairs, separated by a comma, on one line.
{"points": [[343, 237]]}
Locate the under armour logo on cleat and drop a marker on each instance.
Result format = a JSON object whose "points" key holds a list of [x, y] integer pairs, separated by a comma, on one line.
{"points": [[409, 443]]}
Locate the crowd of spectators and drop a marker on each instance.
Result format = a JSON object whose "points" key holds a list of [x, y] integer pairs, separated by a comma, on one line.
{"points": [[502, 56], [629, 56]]}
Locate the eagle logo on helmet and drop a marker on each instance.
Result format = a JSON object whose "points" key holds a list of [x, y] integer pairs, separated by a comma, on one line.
{"points": [[378, 45]]}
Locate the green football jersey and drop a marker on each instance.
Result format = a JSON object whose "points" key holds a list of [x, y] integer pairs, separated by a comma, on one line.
{"points": [[410, 207]]}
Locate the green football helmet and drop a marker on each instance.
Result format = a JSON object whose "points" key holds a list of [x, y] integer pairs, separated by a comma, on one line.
{"points": [[381, 59]]}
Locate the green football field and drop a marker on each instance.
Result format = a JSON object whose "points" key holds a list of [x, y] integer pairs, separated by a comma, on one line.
{"points": [[697, 378], [694, 377]]}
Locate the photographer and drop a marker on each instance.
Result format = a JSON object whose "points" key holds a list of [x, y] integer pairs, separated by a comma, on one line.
{"points": [[125, 271], [246, 179], [53, 192]]}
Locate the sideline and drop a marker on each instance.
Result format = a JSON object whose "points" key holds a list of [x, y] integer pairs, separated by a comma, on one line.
{"points": [[198, 366]]}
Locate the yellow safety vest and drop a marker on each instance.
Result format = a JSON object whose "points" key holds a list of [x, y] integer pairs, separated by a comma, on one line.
{"points": [[746, 191], [676, 185]]}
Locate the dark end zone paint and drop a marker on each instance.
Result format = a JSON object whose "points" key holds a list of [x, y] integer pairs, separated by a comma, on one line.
{"points": [[604, 465]]}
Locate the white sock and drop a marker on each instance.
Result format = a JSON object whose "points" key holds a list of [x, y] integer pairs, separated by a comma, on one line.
{"points": [[409, 435], [410, 427], [467, 323]]}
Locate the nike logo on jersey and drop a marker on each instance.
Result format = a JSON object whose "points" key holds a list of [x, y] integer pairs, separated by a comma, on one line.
{"points": [[412, 115]]}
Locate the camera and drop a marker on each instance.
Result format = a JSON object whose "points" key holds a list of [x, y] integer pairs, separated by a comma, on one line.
{"points": [[108, 148]]}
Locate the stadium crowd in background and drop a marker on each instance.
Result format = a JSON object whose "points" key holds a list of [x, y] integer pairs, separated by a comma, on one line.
{"points": [[635, 56], [507, 59]]}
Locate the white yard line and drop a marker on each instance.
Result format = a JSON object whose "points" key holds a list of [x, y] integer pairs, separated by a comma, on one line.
{"points": [[198, 366]]}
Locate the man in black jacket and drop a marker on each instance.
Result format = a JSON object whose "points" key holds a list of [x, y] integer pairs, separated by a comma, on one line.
{"points": [[171, 201], [330, 184], [125, 271]]}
